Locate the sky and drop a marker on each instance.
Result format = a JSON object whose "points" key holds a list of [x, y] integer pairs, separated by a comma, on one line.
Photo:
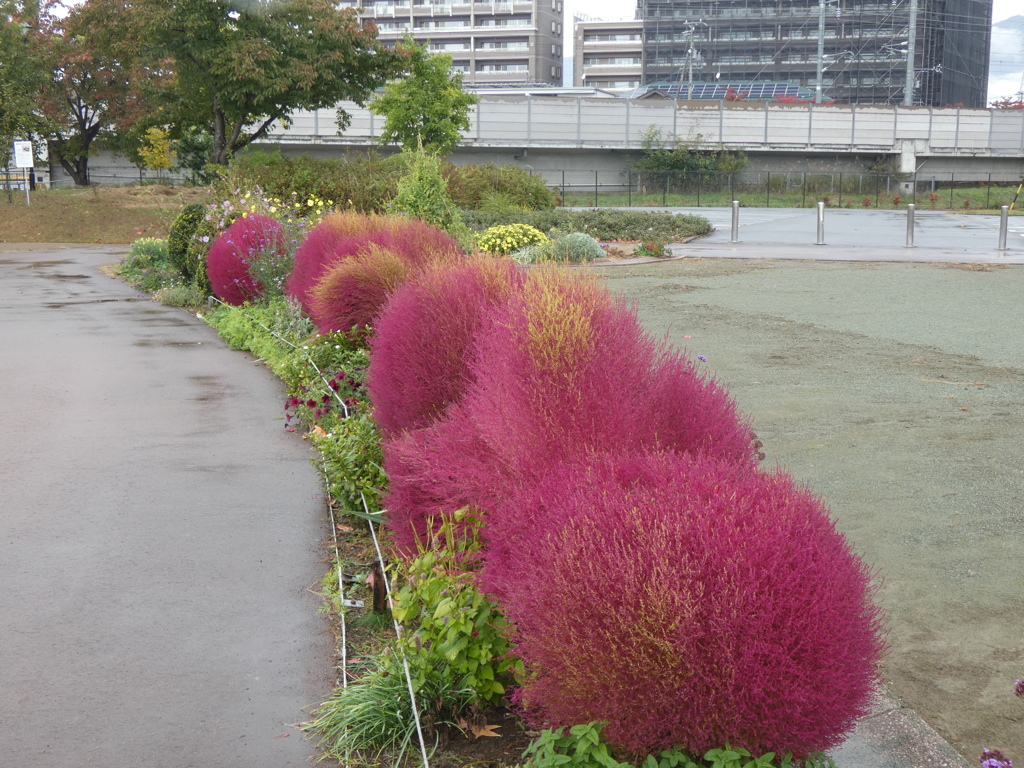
{"points": [[1007, 63]]}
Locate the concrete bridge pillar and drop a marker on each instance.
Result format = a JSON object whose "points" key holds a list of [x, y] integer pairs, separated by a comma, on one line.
{"points": [[908, 163]]}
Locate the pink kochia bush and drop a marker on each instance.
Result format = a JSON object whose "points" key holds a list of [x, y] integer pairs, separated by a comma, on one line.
{"points": [[227, 262], [345, 235], [687, 602], [353, 291], [562, 369], [422, 342]]}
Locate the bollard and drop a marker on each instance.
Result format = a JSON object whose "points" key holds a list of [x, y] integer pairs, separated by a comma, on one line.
{"points": [[735, 236], [821, 224], [910, 224], [1004, 219]]}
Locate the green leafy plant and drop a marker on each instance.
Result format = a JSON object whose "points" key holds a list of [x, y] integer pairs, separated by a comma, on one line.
{"points": [[506, 238], [581, 746], [352, 460], [450, 624], [245, 327], [656, 249]]}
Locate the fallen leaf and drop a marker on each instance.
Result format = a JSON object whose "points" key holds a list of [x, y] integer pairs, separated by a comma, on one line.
{"points": [[318, 431], [283, 736], [485, 730], [344, 528]]}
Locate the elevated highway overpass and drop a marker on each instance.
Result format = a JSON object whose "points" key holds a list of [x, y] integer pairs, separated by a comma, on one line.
{"points": [[558, 133]]}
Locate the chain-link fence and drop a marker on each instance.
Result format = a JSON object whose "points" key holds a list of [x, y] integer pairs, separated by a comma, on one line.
{"points": [[774, 189]]}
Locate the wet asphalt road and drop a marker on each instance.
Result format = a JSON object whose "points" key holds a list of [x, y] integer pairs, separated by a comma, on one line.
{"points": [[159, 533]]}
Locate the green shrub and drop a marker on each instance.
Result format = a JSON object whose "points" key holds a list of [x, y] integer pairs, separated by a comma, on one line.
{"points": [[498, 188], [575, 247], [195, 256], [423, 194], [506, 238], [181, 295], [366, 183], [146, 266], [373, 716], [179, 236]]}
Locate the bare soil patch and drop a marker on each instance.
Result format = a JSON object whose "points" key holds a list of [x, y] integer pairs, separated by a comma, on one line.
{"points": [[897, 392]]}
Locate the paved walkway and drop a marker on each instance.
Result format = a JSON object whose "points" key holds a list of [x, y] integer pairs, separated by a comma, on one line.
{"points": [[856, 235], [159, 532]]}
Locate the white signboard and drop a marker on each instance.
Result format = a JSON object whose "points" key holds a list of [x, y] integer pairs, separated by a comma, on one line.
{"points": [[23, 154]]}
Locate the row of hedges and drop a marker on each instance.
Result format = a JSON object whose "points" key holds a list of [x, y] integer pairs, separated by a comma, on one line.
{"points": [[368, 183], [601, 224], [641, 568]]}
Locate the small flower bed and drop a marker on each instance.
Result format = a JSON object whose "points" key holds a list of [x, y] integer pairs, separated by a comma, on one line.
{"points": [[505, 238]]}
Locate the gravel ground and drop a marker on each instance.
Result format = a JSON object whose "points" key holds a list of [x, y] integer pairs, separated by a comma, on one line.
{"points": [[896, 392]]}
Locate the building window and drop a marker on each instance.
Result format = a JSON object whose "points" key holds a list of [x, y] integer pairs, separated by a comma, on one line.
{"points": [[503, 68]]}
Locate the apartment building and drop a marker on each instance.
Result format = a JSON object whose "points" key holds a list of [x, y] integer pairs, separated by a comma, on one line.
{"points": [[491, 43], [608, 54], [863, 47]]}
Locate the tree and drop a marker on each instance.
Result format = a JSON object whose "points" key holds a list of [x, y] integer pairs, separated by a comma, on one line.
{"points": [[1010, 102], [20, 78], [156, 151], [428, 106], [241, 66], [100, 78]]}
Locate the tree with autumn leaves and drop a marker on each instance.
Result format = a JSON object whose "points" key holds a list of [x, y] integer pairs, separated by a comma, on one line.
{"points": [[100, 79], [242, 66], [229, 68]]}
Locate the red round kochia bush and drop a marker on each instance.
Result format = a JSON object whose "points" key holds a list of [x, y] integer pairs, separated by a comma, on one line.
{"points": [[227, 261], [419, 353], [354, 290], [561, 369], [687, 602], [566, 368], [343, 235]]}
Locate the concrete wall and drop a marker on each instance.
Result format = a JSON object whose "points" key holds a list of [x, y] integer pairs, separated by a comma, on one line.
{"points": [[518, 128]]}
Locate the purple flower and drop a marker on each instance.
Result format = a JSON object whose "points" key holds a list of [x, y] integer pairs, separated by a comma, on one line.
{"points": [[993, 758], [1019, 688], [702, 358]]}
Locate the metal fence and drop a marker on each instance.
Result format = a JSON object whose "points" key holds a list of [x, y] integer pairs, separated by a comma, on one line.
{"points": [[778, 189]]}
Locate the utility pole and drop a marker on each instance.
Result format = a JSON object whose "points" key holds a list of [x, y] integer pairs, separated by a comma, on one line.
{"points": [[908, 89], [821, 52], [691, 54], [689, 67]]}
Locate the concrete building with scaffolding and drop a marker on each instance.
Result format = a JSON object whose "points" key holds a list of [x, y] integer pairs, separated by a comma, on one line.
{"points": [[910, 52], [515, 42]]}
